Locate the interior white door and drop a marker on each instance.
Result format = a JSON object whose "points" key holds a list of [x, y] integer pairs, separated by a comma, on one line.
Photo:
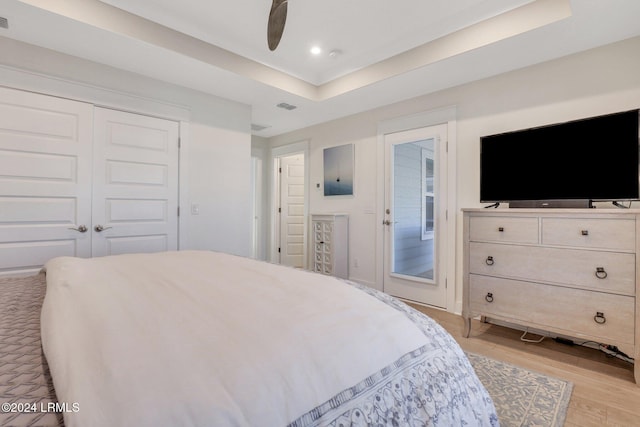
{"points": [[292, 210], [45, 174], [135, 189], [415, 220]]}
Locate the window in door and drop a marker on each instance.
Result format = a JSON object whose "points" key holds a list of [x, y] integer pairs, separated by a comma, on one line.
{"points": [[427, 180]]}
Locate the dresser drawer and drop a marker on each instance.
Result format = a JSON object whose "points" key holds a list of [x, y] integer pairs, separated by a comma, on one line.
{"points": [[573, 312], [619, 234], [503, 229], [572, 267]]}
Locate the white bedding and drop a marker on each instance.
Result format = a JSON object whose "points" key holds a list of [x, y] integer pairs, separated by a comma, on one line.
{"points": [[207, 339]]}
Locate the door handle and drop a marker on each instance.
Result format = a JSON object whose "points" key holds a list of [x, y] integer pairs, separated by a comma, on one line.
{"points": [[386, 222], [81, 228], [99, 228]]}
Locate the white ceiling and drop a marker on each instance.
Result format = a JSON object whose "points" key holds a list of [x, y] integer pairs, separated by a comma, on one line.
{"points": [[388, 51], [364, 31]]}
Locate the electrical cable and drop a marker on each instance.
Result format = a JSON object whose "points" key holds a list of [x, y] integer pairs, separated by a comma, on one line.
{"points": [[609, 350]]}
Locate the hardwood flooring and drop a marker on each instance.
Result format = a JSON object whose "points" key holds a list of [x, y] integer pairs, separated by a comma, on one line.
{"points": [[604, 391]]}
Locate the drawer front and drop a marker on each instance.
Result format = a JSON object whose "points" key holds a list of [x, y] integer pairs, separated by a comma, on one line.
{"points": [[503, 229], [617, 234], [570, 311], [574, 267]]}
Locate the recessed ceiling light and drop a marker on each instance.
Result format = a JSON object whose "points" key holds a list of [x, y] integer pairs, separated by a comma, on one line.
{"points": [[315, 50]]}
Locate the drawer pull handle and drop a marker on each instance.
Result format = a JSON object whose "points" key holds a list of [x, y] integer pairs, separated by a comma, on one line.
{"points": [[489, 260], [585, 232], [599, 318], [489, 297], [601, 273], [501, 229]]}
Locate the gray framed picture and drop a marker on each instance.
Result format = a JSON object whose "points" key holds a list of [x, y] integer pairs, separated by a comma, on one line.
{"points": [[338, 170]]}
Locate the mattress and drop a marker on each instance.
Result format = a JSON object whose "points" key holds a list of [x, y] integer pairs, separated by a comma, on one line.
{"points": [[198, 338], [26, 388]]}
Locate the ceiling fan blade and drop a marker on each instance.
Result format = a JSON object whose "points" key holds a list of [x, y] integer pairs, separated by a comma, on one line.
{"points": [[277, 19]]}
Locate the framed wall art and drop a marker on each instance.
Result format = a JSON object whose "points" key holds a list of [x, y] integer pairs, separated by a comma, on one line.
{"points": [[338, 170]]}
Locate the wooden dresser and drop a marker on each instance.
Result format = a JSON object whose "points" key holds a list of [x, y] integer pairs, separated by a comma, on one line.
{"points": [[571, 272]]}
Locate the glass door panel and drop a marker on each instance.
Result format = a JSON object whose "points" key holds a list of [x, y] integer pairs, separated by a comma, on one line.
{"points": [[414, 197]]}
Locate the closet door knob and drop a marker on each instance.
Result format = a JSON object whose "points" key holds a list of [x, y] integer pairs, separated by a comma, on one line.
{"points": [[80, 228], [99, 228]]}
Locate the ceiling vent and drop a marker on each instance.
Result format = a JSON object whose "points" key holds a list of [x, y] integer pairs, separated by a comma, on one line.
{"points": [[3, 22], [286, 106], [258, 128]]}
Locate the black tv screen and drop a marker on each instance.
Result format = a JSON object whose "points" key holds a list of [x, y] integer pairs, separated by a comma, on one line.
{"points": [[589, 159]]}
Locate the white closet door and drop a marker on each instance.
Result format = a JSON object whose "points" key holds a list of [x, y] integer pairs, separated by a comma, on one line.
{"points": [[135, 184], [45, 174]]}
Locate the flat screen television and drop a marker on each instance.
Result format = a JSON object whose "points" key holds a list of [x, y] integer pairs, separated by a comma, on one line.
{"points": [[594, 159]]}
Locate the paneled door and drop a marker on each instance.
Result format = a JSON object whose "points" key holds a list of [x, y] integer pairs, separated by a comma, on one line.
{"points": [[135, 186], [45, 180], [77, 180], [415, 215], [292, 210]]}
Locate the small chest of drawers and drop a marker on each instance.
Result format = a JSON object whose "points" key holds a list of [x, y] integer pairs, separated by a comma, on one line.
{"points": [[571, 272], [330, 240]]}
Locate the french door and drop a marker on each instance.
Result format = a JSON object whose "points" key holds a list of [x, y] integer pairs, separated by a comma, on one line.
{"points": [[416, 215], [78, 180]]}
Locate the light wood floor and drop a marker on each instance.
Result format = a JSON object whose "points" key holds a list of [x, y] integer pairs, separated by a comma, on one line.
{"points": [[604, 392]]}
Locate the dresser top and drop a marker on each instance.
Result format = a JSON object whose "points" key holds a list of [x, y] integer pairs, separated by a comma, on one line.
{"points": [[551, 211]]}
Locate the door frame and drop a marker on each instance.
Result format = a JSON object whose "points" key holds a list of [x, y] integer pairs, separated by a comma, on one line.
{"points": [[446, 115], [301, 147]]}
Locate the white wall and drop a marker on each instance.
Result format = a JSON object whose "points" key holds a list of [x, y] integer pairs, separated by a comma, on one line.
{"points": [[219, 183], [598, 81], [216, 135]]}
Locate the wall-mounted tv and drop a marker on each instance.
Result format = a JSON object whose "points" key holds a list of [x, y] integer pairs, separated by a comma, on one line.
{"points": [[593, 159]]}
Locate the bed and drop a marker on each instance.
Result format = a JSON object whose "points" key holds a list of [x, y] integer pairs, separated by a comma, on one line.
{"points": [[199, 338], [24, 376]]}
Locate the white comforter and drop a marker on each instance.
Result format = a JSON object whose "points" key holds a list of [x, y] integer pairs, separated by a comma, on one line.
{"points": [[207, 339]]}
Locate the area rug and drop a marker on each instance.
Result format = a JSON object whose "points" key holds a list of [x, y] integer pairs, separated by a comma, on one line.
{"points": [[523, 397]]}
